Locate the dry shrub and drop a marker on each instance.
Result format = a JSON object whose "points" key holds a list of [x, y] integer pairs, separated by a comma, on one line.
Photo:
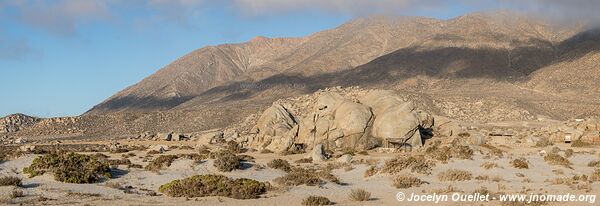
{"points": [[186, 147], [455, 175], [417, 164], [160, 162], [595, 176], [214, 185], [16, 194], [594, 163], [316, 201], [520, 163], [580, 143], [152, 152], [482, 191], [233, 147], [10, 181], [569, 153], [204, 150], [280, 165], [407, 181], [445, 153], [494, 150], [371, 171], [265, 151], [69, 167], [359, 195], [556, 159], [227, 162], [543, 142], [309, 177], [489, 165], [488, 178], [304, 160]]}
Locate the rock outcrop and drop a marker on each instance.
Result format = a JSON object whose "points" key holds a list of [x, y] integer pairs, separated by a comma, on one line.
{"points": [[16, 122], [359, 122]]}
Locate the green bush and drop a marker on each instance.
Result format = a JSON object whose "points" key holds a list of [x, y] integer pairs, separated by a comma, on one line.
{"points": [[69, 167], [214, 185]]}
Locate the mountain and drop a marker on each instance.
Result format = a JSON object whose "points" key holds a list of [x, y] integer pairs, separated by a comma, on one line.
{"points": [[506, 65]]}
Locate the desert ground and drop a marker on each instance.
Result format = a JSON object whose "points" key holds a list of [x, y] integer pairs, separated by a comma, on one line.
{"points": [[489, 167]]}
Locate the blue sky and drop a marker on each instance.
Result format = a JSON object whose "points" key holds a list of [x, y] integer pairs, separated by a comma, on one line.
{"points": [[61, 57]]}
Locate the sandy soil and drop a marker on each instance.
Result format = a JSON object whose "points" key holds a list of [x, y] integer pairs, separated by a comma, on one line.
{"points": [[143, 185]]}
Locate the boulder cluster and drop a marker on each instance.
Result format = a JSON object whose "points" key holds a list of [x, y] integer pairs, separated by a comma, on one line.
{"points": [[373, 118]]}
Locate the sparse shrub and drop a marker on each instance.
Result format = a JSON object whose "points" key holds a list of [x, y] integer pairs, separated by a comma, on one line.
{"points": [[569, 153], [10, 181], [416, 163], [446, 153], [489, 165], [265, 151], [227, 162], [363, 152], [204, 150], [152, 152], [69, 167], [455, 175], [371, 171], [309, 177], [543, 142], [233, 147], [186, 147], [16, 194], [280, 164], [316, 201], [494, 150], [595, 176], [580, 143], [359, 195], [406, 181], [556, 159], [520, 163], [214, 185], [482, 191], [594, 163], [160, 162], [304, 160]]}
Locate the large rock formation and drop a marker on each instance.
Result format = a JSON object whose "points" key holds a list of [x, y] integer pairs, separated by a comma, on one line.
{"points": [[16, 122], [337, 122]]}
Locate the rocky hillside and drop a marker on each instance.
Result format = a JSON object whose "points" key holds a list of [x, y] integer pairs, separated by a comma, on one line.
{"points": [[500, 45], [16, 122]]}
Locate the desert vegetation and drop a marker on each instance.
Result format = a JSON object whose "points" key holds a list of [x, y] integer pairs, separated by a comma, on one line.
{"points": [[359, 195], [214, 185], [310, 177], [316, 201], [70, 167], [455, 175], [520, 163], [556, 159], [160, 163], [10, 181], [407, 181], [280, 165]]}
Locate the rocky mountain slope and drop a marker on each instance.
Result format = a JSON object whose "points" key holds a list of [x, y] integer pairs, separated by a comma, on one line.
{"points": [[481, 67], [497, 45]]}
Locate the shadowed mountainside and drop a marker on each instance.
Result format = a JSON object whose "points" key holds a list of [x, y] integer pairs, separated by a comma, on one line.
{"points": [[496, 45]]}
